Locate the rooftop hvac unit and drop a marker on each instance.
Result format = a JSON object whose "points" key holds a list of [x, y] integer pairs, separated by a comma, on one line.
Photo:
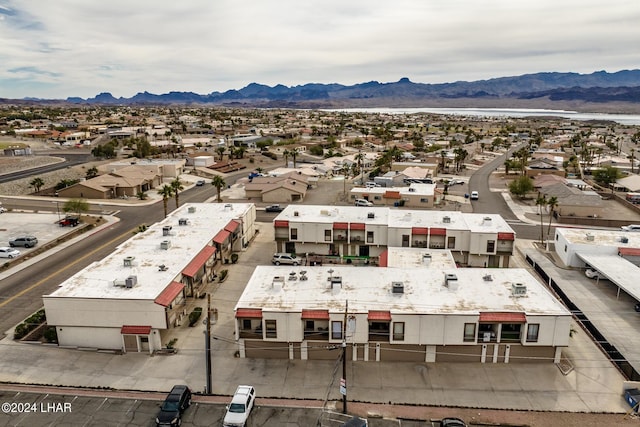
{"points": [[296, 213], [624, 239], [412, 190], [397, 287], [277, 281], [590, 237], [183, 221], [131, 281], [293, 276], [165, 244], [191, 209], [166, 230], [371, 215], [128, 261], [324, 212], [335, 280], [303, 275], [487, 278], [518, 289], [446, 220], [451, 281], [426, 259], [486, 219]]}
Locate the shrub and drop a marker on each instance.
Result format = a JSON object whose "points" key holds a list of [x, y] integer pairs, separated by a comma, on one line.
{"points": [[172, 343], [195, 315], [270, 155], [223, 275], [234, 258], [50, 334], [21, 331]]}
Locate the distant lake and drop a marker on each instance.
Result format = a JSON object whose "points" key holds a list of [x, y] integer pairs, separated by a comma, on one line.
{"points": [[624, 119]]}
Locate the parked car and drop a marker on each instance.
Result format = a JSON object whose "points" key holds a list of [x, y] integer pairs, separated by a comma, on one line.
{"points": [[174, 405], [274, 208], [455, 182], [240, 407], [283, 258], [593, 274], [363, 202], [475, 195], [26, 241], [632, 227], [69, 221], [6, 252], [200, 183], [371, 184], [2, 209]]}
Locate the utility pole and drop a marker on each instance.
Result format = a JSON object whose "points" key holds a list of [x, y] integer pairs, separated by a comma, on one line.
{"points": [[207, 344], [344, 359]]}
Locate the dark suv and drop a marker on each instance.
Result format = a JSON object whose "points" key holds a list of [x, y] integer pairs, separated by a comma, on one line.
{"points": [[69, 221], [174, 405]]}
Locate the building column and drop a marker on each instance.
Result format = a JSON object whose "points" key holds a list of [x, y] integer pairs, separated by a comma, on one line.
{"points": [[304, 354], [354, 353], [377, 352], [496, 348], [366, 352], [506, 353], [483, 357], [558, 355], [241, 348], [430, 355], [291, 351]]}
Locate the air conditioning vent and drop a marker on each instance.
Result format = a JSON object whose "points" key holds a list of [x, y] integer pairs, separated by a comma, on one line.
{"points": [[131, 281], [590, 237], [518, 289], [296, 213], [128, 261], [191, 209], [624, 239], [451, 281], [165, 244], [371, 215], [183, 221], [446, 220], [397, 288], [166, 230]]}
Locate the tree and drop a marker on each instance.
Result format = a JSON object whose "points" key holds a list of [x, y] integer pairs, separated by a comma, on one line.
{"points": [[286, 154], [37, 184], [166, 192], [91, 172], [607, 175], [219, 183], [521, 186], [541, 202], [552, 204], [220, 151], [176, 186], [294, 154], [316, 150], [78, 206]]}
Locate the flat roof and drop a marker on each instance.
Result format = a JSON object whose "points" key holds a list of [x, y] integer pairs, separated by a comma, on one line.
{"points": [[186, 241], [600, 237], [413, 189], [438, 259], [396, 218], [369, 288]]}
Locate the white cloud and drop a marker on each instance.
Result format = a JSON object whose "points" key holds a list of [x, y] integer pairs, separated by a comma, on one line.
{"points": [[82, 48]]}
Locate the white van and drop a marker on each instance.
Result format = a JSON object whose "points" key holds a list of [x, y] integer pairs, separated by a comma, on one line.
{"points": [[475, 195], [371, 184]]}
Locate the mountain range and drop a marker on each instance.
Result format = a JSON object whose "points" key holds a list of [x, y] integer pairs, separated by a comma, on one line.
{"points": [[620, 89]]}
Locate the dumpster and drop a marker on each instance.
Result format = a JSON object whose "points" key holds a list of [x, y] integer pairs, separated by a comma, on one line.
{"points": [[632, 396]]}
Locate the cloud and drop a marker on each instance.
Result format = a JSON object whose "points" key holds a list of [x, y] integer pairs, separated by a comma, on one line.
{"points": [[82, 48]]}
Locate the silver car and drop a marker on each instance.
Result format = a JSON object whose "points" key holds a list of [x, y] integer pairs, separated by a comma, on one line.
{"points": [[6, 252], [284, 258]]}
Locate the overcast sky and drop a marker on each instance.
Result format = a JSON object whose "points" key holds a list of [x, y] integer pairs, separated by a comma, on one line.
{"points": [[61, 48]]}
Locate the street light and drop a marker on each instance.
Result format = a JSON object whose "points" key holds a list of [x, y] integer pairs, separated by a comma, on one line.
{"points": [[58, 209]]}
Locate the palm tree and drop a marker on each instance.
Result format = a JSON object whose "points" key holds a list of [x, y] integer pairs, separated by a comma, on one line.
{"points": [[286, 154], [294, 153], [218, 182], [541, 202], [176, 186], [166, 192], [37, 184], [358, 158], [552, 203], [221, 150], [345, 172]]}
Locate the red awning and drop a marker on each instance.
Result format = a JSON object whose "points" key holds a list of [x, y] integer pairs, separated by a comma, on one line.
{"points": [[506, 236], [503, 317], [629, 251], [315, 314], [199, 260], [249, 313], [135, 330], [221, 236], [340, 225], [391, 195], [420, 231], [379, 315], [232, 226], [356, 226], [281, 224], [437, 231], [169, 294]]}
